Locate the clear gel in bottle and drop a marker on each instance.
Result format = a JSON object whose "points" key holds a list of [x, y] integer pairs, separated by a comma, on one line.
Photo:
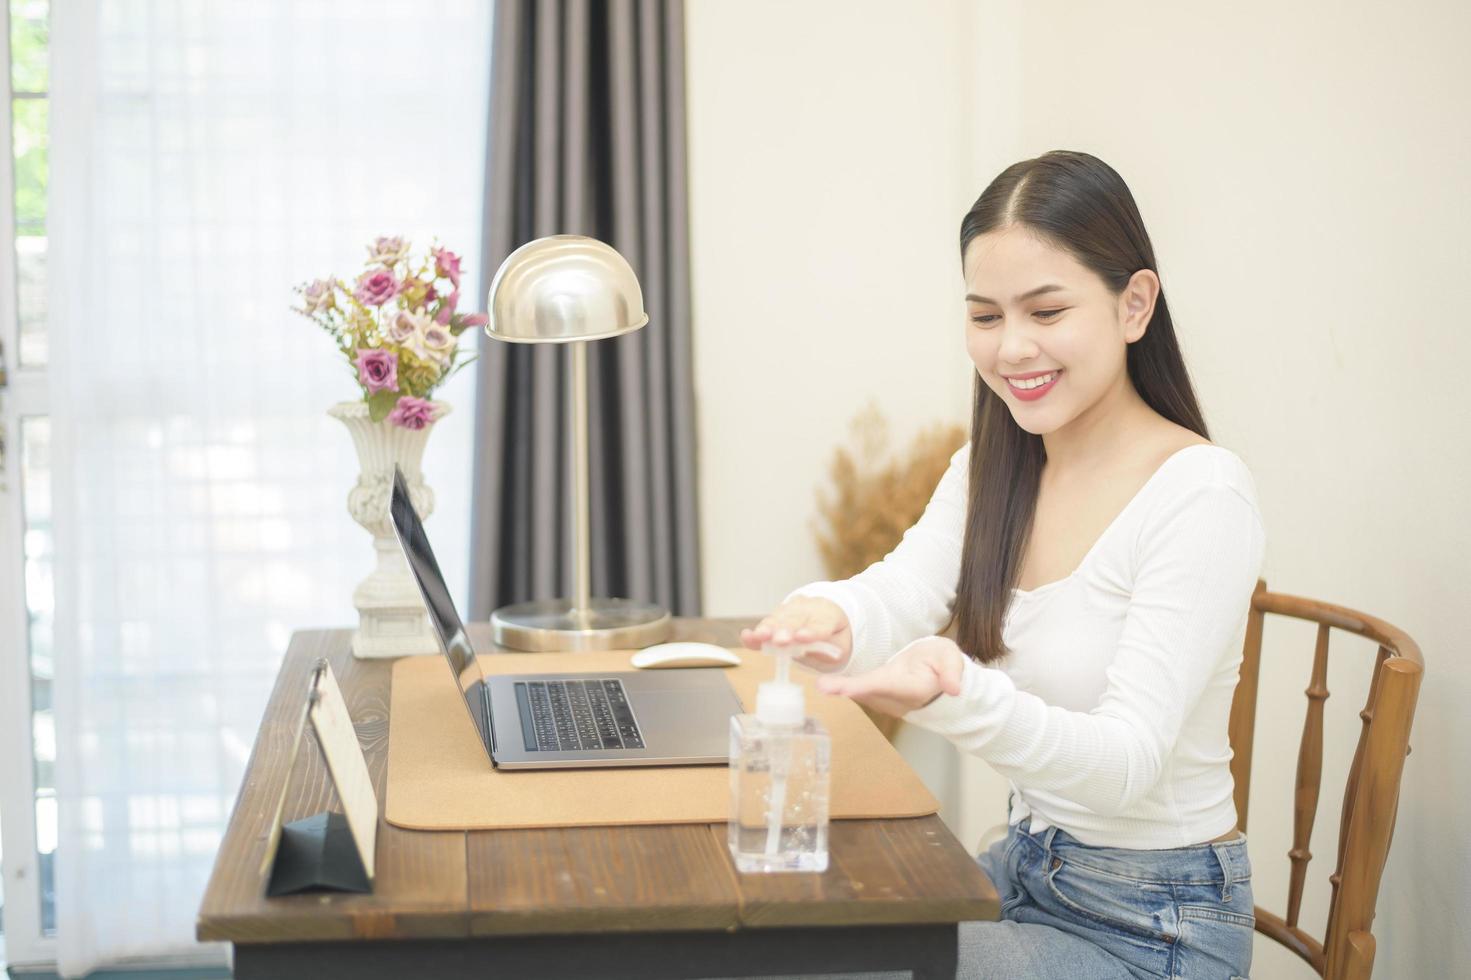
{"points": [[780, 762]]}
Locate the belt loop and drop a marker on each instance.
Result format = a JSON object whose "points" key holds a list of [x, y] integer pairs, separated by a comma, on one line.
{"points": [[1223, 857], [1047, 838]]}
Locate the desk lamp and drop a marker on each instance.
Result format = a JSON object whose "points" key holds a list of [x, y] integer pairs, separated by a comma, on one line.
{"points": [[569, 289]]}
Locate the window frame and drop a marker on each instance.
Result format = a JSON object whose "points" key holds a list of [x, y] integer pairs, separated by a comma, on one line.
{"points": [[23, 394]]}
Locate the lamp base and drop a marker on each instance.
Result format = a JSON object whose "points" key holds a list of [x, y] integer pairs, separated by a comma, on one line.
{"points": [[606, 624]]}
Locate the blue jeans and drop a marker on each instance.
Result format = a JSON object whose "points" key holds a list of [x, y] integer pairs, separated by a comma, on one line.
{"points": [[1089, 913]]}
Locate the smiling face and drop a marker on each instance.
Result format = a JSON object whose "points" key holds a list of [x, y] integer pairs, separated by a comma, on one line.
{"points": [[1045, 332]]}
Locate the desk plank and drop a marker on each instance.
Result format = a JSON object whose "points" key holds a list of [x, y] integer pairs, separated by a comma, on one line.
{"points": [[600, 879], [420, 891], [880, 872]]}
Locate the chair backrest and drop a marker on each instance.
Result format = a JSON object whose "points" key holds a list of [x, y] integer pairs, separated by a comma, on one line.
{"points": [[1371, 798]]}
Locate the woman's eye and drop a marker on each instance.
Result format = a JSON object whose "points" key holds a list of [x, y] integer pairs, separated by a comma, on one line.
{"points": [[1049, 314]]}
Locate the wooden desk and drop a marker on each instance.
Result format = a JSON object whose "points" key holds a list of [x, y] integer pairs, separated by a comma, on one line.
{"points": [[606, 902]]}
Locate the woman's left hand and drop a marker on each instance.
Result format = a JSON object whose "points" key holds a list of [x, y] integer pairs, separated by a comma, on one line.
{"points": [[915, 676]]}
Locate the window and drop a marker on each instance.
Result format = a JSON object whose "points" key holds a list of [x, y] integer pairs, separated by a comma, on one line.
{"points": [[29, 112], [187, 496], [27, 789]]}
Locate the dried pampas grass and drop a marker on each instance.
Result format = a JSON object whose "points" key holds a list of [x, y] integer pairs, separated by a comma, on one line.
{"points": [[876, 496]]}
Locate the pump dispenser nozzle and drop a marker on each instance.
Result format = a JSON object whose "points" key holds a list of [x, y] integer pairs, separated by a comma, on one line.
{"points": [[779, 701]]}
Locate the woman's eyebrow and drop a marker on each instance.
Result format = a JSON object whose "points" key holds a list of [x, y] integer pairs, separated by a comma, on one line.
{"points": [[1049, 288]]}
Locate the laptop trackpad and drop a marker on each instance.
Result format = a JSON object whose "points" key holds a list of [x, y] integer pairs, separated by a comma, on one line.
{"points": [[686, 722]]}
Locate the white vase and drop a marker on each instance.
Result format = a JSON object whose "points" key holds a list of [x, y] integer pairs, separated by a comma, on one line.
{"points": [[392, 621]]}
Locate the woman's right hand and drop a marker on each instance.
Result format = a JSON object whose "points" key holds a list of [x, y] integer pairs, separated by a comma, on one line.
{"points": [[805, 619]]}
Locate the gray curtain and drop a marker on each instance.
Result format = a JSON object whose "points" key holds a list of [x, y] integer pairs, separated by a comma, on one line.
{"points": [[587, 137]]}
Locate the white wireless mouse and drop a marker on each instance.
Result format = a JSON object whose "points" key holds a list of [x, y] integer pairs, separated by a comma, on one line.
{"points": [[685, 654]]}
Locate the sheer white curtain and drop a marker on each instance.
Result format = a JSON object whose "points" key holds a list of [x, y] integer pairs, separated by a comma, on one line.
{"points": [[205, 157]]}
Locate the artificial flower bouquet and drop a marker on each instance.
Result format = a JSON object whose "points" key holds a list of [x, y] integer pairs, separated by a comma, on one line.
{"points": [[398, 326]]}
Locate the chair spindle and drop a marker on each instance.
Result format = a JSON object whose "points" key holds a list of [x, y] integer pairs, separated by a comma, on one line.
{"points": [[1309, 777], [1346, 813]]}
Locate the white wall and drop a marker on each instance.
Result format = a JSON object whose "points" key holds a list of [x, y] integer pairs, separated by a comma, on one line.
{"points": [[825, 213], [1303, 172]]}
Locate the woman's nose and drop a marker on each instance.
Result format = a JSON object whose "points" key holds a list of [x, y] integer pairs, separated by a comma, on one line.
{"points": [[1016, 345]]}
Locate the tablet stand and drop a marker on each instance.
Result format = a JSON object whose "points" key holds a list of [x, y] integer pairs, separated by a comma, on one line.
{"points": [[317, 852], [321, 852]]}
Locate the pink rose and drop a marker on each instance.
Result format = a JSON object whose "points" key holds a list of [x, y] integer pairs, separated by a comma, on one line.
{"points": [[377, 370], [376, 288], [447, 264], [411, 413]]}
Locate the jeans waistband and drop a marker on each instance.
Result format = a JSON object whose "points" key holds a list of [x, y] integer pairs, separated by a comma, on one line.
{"points": [[1223, 862]]}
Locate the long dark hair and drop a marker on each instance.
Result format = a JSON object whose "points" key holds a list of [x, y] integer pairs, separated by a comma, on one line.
{"points": [[1078, 203]]}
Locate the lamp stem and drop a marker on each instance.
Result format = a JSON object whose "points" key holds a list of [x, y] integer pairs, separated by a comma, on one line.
{"points": [[582, 554]]}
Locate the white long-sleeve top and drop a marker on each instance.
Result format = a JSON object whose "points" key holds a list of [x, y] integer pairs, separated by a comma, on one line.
{"points": [[1108, 713]]}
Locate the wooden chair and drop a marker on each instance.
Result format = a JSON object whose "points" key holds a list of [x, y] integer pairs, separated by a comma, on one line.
{"points": [[1371, 797]]}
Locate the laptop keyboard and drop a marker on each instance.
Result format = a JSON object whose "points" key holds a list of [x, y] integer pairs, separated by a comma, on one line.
{"points": [[576, 715]]}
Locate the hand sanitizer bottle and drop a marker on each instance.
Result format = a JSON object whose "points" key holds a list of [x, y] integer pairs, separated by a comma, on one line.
{"points": [[779, 773]]}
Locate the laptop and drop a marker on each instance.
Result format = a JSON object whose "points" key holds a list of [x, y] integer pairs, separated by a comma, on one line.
{"points": [[669, 717]]}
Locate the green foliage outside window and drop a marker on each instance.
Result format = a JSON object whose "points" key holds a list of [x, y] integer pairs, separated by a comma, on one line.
{"points": [[29, 36], [30, 119]]}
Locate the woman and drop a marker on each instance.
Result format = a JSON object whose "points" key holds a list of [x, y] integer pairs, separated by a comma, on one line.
{"points": [[1095, 555]]}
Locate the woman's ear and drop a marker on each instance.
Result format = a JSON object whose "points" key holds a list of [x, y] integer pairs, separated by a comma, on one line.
{"points": [[1136, 304]]}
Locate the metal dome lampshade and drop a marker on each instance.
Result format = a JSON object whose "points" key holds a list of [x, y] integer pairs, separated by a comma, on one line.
{"points": [[569, 289]]}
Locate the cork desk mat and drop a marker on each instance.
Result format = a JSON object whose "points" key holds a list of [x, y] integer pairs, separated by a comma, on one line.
{"points": [[440, 779]]}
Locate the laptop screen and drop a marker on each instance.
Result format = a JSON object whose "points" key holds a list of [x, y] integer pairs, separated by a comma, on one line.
{"points": [[452, 636]]}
